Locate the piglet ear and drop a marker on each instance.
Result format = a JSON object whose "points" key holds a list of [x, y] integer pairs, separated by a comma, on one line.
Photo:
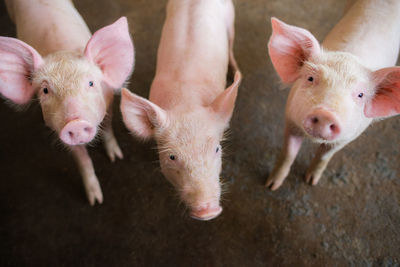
{"points": [[289, 47], [225, 102], [386, 101], [17, 63], [111, 48], [140, 115]]}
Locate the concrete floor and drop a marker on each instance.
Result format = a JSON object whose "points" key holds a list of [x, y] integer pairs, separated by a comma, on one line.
{"points": [[352, 218]]}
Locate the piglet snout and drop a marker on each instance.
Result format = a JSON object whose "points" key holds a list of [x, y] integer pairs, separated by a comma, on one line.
{"points": [[206, 212], [77, 132], [322, 124]]}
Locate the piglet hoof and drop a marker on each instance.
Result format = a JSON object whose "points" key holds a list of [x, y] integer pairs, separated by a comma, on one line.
{"points": [[273, 182], [93, 191], [113, 149], [312, 177]]}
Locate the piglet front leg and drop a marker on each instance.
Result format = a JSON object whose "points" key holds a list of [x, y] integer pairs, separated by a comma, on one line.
{"points": [[110, 143], [322, 157], [291, 147], [90, 181]]}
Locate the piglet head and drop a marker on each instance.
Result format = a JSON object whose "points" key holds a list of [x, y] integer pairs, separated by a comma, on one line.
{"points": [[332, 92], [72, 96], [74, 89], [188, 145]]}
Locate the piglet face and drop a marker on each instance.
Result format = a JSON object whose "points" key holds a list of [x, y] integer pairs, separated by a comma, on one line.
{"points": [[190, 158], [188, 143], [328, 98], [331, 90], [72, 95], [74, 88]]}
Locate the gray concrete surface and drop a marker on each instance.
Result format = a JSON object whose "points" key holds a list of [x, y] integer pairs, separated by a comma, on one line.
{"points": [[352, 218]]}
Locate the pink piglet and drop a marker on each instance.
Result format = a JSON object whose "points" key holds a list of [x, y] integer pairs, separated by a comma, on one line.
{"points": [[339, 88], [73, 74]]}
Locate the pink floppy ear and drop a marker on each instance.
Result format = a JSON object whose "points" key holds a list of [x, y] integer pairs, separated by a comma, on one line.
{"points": [[17, 63], [289, 47], [111, 48], [386, 101], [225, 102], [140, 115]]}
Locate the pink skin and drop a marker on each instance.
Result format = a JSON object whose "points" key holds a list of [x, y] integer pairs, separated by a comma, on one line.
{"points": [[206, 212], [189, 109], [339, 89], [77, 132], [73, 74], [322, 124]]}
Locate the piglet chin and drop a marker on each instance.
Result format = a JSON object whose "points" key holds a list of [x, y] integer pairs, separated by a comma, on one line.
{"points": [[206, 213], [318, 138], [321, 140], [77, 132]]}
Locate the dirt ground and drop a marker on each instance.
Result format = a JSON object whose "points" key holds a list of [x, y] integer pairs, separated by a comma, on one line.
{"points": [[351, 218]]}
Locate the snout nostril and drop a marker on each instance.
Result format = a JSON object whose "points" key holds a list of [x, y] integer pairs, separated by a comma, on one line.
{"points": [[322, 124], [77, 132]]}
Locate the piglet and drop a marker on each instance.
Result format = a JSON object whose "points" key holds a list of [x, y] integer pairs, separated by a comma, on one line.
{"points": [[189, 109], [73, 74], [338, 88]]}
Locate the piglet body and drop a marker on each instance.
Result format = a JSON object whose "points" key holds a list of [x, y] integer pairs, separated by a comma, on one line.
{"points": [[189, 109], [73, 74], [337, 91]]}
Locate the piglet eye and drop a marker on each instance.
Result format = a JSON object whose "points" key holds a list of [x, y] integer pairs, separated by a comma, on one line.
{"points": [[360, 95], [45, 90], [91, 84], [216, 150], [310, 79], [172, 157]]}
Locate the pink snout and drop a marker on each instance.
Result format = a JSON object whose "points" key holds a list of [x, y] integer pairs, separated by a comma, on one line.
{"points": [[77, 132], [205, 212], [322, 124]]}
